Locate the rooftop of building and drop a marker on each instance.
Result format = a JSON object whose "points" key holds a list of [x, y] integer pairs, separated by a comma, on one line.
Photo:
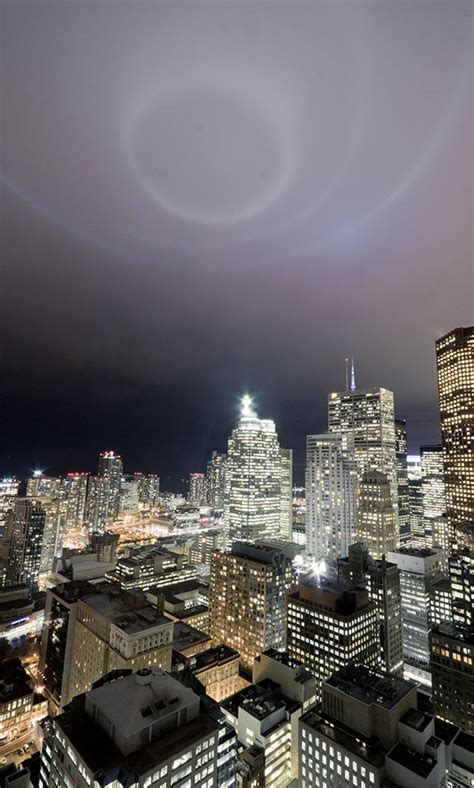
{"points": [[302, 674], [171, 592], [14, 681], [465, 740], [102, 756], [370, 686], [217, 655], [454, 632], [343, 597], [185, 636], [369, 750], [415, 719], [147, 695], [421, 765], [416, 552], [129, 611], [260, 554], [260, 700], [72, 592]]}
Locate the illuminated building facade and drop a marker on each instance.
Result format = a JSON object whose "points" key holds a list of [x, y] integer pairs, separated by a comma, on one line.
{"points": [[402, 479], [286, 493], [330, 624], [252, 479], [265, 717], [382, 580], [129, 494], [116, 630], [432, 488], [344, 741], [455, 365], [73, 499], [369, 417], [215, 481], [420, 573], [26, 527], [197, 489], [376, 524], [248, 588], [39, 486], [20, 705], [103, 497], [138, 729], [452, 667], [8, 492], [330, 484], [150, 490]]}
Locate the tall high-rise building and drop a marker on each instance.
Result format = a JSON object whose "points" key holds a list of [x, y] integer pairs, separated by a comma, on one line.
{"points": [[8, 492], [215, 481], [432, 488], [415, 497], [197, 489], [330, 484], [402, 477], [330, 624], [420, 576], [376, 524], [150, 490], [73, 499], [111, 468], [452, 668], [369, 416], [253, 479], [382, 580], [286, 493], [41, 486], [248, 588], [26, 526], [130, 486], [455, 365]]}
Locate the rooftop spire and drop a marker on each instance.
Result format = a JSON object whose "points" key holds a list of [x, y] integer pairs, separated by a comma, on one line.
{"points": [[350, 374]]}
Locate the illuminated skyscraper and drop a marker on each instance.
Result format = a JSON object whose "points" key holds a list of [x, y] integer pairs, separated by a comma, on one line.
{"points": [[369, 417], [376, 526], [129, 493], [197, 489], [455, 364], [432, 488], [8, 492], [73, 499], [111, 468], [330, 495], [253, 479], [286, 493], [248, 588], [215, 481], [150, 490], [402, 477], [42, 486], [331, 624], [27, 527]]}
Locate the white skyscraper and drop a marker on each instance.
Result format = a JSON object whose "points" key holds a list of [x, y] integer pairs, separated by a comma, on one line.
{"points": [[330, 496], [253, 479], [369, 416]]}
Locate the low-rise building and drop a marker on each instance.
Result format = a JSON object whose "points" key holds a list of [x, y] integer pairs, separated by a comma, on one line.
{"points": [[20, 705]]}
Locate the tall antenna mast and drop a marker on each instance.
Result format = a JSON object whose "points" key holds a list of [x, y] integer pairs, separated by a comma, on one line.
{"points": [[353, 375], [347, 374]]}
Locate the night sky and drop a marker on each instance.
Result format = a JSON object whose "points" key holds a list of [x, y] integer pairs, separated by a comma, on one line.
{"points": [[201, 199]]}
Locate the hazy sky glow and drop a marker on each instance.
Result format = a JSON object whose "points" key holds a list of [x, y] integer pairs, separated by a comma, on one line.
{"points": [[204, 198]]}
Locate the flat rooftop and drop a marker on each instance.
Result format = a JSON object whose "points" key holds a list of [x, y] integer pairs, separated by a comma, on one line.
{"points": [[370, 687], [217, 655], [260, 700], [422, 765], [417, 720], [369, 750], [118, 608]]}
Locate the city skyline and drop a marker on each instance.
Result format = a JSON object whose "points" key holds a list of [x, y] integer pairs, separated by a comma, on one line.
{"points": [[143, 288]]}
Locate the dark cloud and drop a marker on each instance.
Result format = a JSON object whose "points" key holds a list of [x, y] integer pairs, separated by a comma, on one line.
{"points": [[201, 198]]}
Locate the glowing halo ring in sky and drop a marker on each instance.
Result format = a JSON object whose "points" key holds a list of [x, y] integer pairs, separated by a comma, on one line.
{"points": [[277, 134]]}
